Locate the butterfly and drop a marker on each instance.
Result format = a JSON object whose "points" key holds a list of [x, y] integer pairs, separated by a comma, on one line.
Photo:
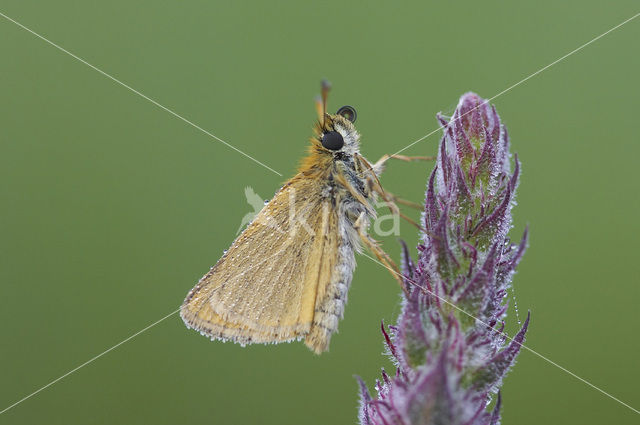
{"points": [[287, 275]]}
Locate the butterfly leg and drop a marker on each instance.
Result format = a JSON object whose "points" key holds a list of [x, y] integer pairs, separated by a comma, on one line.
{"points": [[374, 185], [374, 247], [378, 166], [393, 207], [390, 200], [405, 202]]}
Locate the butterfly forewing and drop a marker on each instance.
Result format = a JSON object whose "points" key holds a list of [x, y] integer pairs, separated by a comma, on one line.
{"points": [[264, 289]]}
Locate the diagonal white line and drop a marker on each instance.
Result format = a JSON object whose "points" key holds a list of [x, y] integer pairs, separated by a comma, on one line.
{"points": [[89, 361], [175, 114], [119, 344], [502, 333], [372, 259], [525, 79], [255, 160]]}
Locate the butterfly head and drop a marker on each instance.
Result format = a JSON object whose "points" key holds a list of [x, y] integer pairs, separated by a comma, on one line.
{"points": [[335, 133], [338, 135]]}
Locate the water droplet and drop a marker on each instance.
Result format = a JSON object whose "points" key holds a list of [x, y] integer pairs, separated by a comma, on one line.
{"points": [[515, 304]]}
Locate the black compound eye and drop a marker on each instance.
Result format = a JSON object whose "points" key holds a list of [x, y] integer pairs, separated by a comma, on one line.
{"points": [[348, 112], [332, 140]]}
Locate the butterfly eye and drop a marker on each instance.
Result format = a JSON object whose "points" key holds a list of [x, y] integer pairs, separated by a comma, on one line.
{"points": [[332, 140], [348, 112]]}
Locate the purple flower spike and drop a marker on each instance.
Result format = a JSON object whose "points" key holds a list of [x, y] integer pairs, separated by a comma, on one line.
{"points": [[448, 343]]}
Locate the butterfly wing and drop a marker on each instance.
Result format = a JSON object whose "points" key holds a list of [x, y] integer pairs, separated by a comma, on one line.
{"points": [[264, 289]]}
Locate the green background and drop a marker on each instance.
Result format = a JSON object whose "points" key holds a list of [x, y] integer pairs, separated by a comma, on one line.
{"points": [[111, 208]]}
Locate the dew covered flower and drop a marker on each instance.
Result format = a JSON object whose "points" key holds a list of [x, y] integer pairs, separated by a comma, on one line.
{"points": [[447, 345]]}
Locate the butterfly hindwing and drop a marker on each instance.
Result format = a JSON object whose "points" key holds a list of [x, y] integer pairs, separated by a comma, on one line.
{"points": [[264, 289]]}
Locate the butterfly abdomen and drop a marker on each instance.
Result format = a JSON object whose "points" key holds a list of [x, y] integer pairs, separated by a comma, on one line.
{"points": [[329, 308], [330, 303]]}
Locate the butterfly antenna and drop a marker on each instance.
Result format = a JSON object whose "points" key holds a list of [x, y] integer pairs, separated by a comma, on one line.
{"points": [[319, 110], [325, 87]]}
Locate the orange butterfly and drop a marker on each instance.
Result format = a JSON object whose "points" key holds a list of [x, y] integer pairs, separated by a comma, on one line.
{"points": [[287, 275]]}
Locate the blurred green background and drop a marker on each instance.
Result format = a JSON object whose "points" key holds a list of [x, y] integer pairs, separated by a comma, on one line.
{"points": [[112, 208]]}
